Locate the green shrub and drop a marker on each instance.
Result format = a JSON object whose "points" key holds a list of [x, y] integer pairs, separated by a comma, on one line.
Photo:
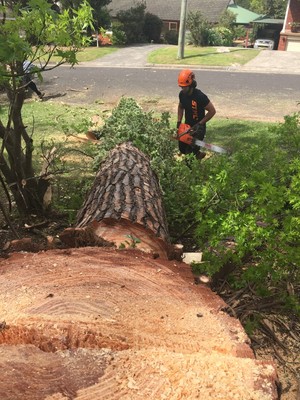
{"points": [[132, 21], [199, 28], [220, 36], [152, 27], [288, 134], [171, 37], [248, 212], [118, 36]]}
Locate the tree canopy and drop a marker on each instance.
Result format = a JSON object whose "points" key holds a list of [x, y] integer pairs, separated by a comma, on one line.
{"points": [[35, 35], [272, 8]]}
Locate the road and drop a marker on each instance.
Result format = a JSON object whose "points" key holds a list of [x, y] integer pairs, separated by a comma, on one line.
{"points": [[235, 94]]}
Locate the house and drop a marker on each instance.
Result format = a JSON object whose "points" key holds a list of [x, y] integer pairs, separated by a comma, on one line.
{"points": [[243, 16], [290, 34], [169, 10]]}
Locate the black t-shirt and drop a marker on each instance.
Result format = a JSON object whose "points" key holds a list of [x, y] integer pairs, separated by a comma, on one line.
{"points": [[194, 106]]}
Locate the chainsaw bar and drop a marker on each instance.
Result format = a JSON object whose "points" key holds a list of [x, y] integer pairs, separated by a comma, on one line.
{"points": [[185, 137], [209, 146]]}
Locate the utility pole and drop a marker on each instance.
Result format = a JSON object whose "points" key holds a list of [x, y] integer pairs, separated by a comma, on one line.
{"points": [[181, 36]]}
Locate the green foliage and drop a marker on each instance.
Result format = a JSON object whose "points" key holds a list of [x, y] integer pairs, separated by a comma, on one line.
{"points": [[238, 32], [129, 122], [171, 37], [228, 20], [36, 34], [152, 27], [220, 36], [132, 23], [289, 134], [119, 36], [252, 324], [272, 8], [136, 26], [248, 211], [199, 28]]}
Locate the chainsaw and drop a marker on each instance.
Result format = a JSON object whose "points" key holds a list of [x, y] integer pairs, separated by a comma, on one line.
{"points": [[185, 134]]}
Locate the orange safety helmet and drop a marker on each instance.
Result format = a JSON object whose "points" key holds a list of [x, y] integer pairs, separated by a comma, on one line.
{"points": [[186, 78]]}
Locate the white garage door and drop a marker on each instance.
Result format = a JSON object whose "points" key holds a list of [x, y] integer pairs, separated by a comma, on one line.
{"points": [[293, 45]]}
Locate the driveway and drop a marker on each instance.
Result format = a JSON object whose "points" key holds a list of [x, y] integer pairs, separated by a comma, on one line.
{"points": [[130, 56]]}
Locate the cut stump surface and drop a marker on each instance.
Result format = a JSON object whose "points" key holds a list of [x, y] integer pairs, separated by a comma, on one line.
{"points": [[98, 323]]}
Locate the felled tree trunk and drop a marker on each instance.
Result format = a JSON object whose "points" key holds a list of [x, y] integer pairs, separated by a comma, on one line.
{"points": [[123, 207]]}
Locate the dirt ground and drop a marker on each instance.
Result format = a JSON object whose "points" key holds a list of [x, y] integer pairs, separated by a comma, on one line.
{"points": [[250, 107]]}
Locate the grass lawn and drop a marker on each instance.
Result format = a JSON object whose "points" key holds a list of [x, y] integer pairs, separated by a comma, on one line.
{"points": [[90, 53], [61, 123], [203, 56], [58, 122]]}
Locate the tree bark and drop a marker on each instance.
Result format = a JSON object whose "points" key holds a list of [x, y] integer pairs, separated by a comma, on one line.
{"points": [[16, 162], [124, 206]]}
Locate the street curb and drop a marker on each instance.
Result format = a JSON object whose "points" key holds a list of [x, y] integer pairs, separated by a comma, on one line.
{"points": [[233, 69]]}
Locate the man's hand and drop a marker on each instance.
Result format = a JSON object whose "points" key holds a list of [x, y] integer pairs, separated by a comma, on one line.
{"points": [[197, 130]]}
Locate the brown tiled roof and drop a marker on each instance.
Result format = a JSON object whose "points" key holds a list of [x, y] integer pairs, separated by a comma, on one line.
{"points": [[170, 9]]}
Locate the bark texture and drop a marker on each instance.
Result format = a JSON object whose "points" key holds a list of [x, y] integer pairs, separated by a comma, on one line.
{"points": [[124, 205]]}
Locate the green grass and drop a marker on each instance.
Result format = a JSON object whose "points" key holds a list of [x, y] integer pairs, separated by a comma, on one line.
{"points": [[90, 53], [210, 56], [237, 135], [58, 121], [52, 121]]}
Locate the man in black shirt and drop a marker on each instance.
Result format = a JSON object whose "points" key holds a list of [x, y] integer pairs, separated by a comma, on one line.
{"points": [[196, 108]]}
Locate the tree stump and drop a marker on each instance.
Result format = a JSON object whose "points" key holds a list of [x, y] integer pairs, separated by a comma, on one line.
{"points": [[124, 206]]}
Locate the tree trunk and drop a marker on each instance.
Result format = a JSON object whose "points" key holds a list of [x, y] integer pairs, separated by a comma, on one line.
{"points": [[124, 206], [16, 161]]}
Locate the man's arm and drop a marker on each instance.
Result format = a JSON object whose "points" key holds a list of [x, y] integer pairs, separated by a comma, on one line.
{"points": [[210, 113], [179, 113]]}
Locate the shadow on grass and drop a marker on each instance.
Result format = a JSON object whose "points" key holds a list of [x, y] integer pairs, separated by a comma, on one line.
{"points": [[238, 136], [210, 54]]}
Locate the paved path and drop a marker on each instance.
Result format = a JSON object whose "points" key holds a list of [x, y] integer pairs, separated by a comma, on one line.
{"points": [[130, 56], [136, 57]]}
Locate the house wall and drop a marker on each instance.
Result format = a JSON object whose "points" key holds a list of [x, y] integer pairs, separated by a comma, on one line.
{"points": [[288, 39], [170, 26]]}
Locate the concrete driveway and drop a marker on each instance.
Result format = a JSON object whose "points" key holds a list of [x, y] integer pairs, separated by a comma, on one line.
{"points": [[287, 62]]}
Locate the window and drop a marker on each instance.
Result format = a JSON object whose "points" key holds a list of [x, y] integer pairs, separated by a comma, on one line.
{"points": [[172, 26]]}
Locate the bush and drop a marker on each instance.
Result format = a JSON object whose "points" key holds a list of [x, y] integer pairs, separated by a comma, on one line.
{"points": [[220, 36], [132, 21], [252, 200], [118, 37], [152, 28], [199, 28], [171, 37]]}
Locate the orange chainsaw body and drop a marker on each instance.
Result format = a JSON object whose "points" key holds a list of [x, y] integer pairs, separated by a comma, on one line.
{"points": [[183, 134]]}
